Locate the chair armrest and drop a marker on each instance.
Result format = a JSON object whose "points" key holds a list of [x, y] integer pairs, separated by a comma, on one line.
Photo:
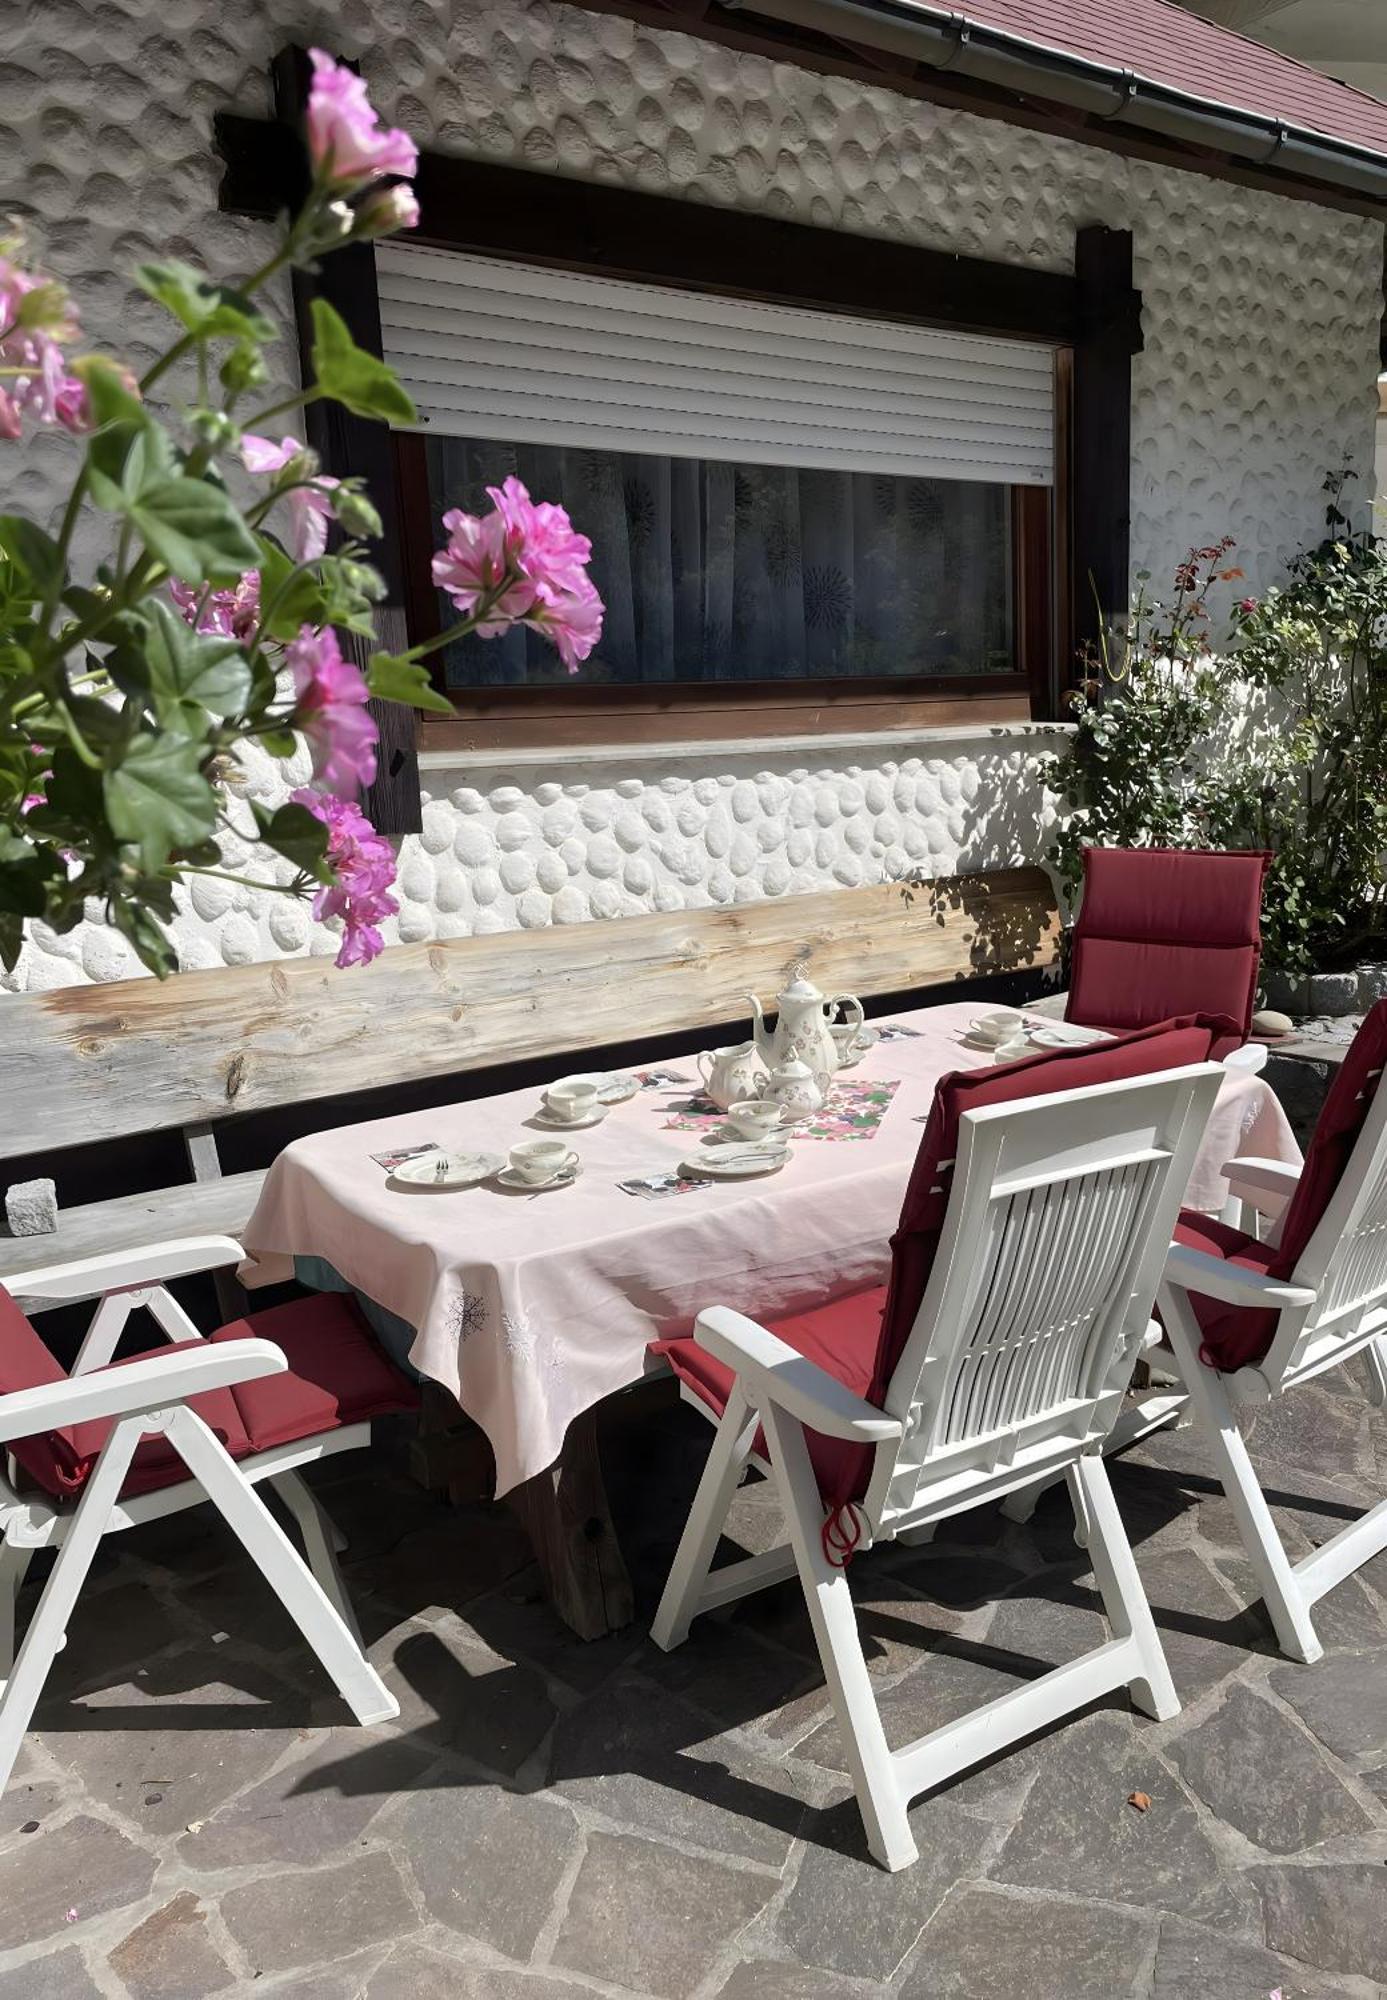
{"points": [[150, 1382], [1196, 1271], [1266, 1185], [770, 1368], [118, 1270], [1250, 1059]]}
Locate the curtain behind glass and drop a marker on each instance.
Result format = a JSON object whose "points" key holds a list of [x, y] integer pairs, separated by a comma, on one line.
{"points": [[716, 572]]}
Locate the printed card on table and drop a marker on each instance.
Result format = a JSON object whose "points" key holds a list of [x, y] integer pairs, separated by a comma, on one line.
{"points": [[402, 1153], [654, 1187]]}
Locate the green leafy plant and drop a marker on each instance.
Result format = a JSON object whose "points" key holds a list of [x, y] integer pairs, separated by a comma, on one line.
{"points": [[1276, 740]]}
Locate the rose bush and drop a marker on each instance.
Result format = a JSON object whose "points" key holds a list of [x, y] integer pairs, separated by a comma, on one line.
{"points": [[206, 626]]}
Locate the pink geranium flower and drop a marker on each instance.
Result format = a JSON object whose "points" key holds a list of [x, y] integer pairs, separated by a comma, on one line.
{"points": [[331, 711], [230, 614], [534, 557], [392, 208], [345, 136], [310, 506], [363, 865], [35, 319]]}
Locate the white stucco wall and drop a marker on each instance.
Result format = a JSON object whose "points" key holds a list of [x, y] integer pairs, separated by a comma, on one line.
{"points": [[1261, 323]]}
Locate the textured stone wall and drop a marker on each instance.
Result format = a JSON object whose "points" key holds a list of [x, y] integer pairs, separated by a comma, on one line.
{"points": [[1261, 341]]}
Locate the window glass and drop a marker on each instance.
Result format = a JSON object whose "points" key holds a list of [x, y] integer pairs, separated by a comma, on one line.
{"points": [[722, 572]]}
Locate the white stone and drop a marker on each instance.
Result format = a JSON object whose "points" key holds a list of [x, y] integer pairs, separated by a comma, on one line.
{"points": [[486, 887], [533, 910], [416, 877], [105, 954], [436, 828], [517, 873], [638, 875], [450, 888], [239, 940], [606, 900], [570, 906], [603, 857], [210, 897], [473, 845], [468, 799], [550, 873], [513, 831], [630, 831], [414, 923], [290, 924]]}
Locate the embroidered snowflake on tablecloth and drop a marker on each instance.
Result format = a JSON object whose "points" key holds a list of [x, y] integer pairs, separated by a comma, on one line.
{"points": [[467, 1315], [524, 1344]]}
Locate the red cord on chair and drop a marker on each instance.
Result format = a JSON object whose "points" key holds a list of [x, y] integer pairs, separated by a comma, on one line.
{"points": [[841, 1534]]}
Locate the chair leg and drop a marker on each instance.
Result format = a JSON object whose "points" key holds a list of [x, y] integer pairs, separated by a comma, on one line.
{"points": [[319, 1543], [698, 1544], [1377, 1369], [288, 1575], [14, 1564], [834, 1618], [48, 1626], [1124, 1599], [1213, 1413]]}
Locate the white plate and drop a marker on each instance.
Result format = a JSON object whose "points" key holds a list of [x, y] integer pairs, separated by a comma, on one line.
{"points": [[1067, 1035], [509, 1178], [614, 1086], [546, 1118], [747, 1161], [463, 1170]]}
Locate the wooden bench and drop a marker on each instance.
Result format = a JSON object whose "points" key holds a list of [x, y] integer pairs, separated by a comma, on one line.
{"points": [[197, 1053]]}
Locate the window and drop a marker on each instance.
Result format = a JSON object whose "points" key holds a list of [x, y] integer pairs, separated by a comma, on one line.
{"points": [[787, 503]]}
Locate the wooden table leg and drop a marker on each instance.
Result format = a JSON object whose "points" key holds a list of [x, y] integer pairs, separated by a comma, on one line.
{"points": [[567, 1518]]}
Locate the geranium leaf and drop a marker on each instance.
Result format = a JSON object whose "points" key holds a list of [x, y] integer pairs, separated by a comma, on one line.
{"points": [[194, 529], [393, 678], [205, 309], [359, 381], [32, 552], [157, 798], [296, 833], [188, 675]]}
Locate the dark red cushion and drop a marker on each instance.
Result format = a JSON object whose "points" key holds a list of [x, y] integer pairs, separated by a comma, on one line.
{"points": [[337, 1376], [1232, 1335], [1169, 1046], [842, 1338], [1163, 932], [860, 1338], [1235, 1336]]}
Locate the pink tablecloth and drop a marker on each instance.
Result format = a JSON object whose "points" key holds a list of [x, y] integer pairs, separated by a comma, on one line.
{"points": [[532, 1308]]}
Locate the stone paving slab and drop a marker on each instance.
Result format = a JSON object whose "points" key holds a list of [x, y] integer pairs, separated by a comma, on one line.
{"points": [[195, 1814]]}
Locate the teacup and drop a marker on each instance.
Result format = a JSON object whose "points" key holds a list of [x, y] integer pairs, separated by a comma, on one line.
{"points": [[755, 1117], [1005, 1025], [541, 1160], [570, 1100]]}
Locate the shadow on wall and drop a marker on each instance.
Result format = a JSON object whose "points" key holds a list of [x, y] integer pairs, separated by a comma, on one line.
{"points": [[1009, 826]]}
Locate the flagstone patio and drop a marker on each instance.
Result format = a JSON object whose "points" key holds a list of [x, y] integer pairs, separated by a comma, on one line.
{"points": [[547, 1819]]}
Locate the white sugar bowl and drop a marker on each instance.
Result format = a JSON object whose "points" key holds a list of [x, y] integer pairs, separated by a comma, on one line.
{"points": [[794, 1088]]}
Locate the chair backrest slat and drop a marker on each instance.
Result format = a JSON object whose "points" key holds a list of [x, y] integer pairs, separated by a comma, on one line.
{"points": [[1060, 1214]]}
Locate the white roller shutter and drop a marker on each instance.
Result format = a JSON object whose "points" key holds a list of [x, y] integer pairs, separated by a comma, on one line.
{"points": [[489, 349]]}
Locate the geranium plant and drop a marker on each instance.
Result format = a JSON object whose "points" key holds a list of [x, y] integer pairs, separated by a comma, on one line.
{"points": [[206, 625]]}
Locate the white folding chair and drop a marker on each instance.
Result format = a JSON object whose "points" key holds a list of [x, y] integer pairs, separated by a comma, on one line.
{"points": [[65, 1488], [1035, 1308], [1331, 1306]]}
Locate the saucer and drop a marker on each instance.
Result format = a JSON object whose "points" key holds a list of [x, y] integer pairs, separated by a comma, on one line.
{"points": [[463, 1170], [614, 1086], [509, 1178], [546, 1118], [745, 1162]]}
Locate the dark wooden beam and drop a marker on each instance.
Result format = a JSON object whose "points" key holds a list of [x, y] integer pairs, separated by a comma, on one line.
{"points": [[266, 174], [1101, 435], [546, 218]]}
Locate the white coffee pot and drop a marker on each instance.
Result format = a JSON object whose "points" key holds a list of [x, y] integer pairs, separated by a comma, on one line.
{"points": [[802, 1033]]}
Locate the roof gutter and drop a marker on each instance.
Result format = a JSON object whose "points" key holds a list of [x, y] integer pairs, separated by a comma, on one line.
{"points": [[949, 42]]}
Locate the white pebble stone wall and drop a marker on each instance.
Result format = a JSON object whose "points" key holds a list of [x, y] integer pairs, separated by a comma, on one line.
{"points": [[1261, 327]]}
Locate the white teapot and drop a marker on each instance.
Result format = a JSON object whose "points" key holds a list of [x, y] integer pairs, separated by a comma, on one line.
{"points": [[730, 1074], [802, 1032], [796, 1089]]}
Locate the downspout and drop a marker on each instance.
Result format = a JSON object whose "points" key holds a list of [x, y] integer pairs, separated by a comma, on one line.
{"points": [[950, 41]]}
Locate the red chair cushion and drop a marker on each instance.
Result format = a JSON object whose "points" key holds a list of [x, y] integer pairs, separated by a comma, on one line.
{"points": [[842, 1338], [337, 1376], [1232, 1336], [1235, 1336], [1163, 932], [860, 1338]]}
